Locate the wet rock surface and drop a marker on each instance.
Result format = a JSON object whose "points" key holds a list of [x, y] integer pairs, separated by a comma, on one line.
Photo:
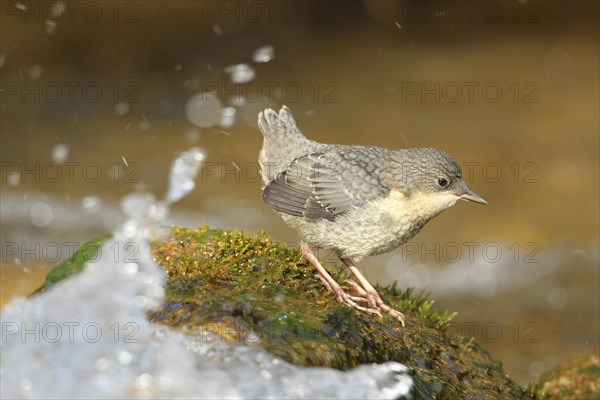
{"points": [[247, 289]]}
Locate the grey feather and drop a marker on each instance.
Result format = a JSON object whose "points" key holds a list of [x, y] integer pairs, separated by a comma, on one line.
{"points": [[314, 187], [283, 142]]}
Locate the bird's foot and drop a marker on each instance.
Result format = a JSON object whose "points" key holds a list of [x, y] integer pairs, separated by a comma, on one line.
{"points": [[343, 297], [389, 310], [376, 305], [371, 296], [353, 301]]}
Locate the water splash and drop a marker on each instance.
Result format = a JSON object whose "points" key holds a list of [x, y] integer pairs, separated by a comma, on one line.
{"points": [[183, 174], [90, 337]]}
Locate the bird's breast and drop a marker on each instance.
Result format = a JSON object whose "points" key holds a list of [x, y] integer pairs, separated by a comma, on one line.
{"points": [[414, 208], [395, 219], [375, 227]]}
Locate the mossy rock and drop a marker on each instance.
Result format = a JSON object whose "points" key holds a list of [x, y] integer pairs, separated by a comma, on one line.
{"points": [[88, 251], [247, 289], [577, 379]]}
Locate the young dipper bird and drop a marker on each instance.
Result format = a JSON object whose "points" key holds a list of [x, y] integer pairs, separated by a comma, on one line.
{"points": [[355, 200]]}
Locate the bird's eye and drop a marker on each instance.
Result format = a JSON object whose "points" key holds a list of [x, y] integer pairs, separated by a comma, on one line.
{"points": [[442, 182]]}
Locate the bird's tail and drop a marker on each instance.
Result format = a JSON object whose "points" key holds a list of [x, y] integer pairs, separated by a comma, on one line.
{"points": [[280, 126], [283, 142]]}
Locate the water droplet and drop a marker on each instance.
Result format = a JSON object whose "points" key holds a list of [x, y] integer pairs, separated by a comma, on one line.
{"points": [[56, 10], [141, 301], [60, 153], [264, 54], [124, 357], [41, 214], [203, 109], [101, 364], [559, 67], [121, 108], [183, 174], [227, 118], [91, 204], [144, 125], [578, 254], [147, 278], [240, 73], [281, 316], [144, 381]]}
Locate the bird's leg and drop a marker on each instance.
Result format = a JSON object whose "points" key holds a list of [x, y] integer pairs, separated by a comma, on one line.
{"points": [[357, 288], [372, 295], [332, 285]]}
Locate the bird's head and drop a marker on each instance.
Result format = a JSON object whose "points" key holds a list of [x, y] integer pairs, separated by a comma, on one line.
{"points": [[433, 176]]}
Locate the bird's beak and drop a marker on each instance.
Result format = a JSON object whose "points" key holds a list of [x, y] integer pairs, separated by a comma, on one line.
{"points": [[472, 196]]}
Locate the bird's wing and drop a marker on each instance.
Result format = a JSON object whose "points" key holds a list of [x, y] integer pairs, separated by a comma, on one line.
{"points": [[321, 185]]}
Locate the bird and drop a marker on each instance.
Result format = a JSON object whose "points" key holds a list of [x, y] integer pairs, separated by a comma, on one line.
{"points": [[357, 200]]}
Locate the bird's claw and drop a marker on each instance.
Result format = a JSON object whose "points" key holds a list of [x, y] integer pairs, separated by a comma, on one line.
{"points": [[352, 301], [366, 292], [375, 301]]}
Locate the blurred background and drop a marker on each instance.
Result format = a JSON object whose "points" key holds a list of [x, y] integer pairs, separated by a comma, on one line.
{"points": [[98, 98]]}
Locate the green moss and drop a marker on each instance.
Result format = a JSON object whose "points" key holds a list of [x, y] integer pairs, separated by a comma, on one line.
{"points": [[89, 251], [575, 379]]}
